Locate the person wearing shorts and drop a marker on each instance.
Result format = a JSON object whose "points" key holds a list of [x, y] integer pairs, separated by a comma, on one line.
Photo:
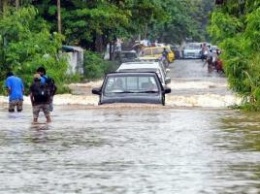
{"points": [[39, 102], [15, 88]]}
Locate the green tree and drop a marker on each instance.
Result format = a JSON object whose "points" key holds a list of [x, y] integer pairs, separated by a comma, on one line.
{"points": [[92, 24], [235, 26], [84, 22], [27, 44], [184, 19]]}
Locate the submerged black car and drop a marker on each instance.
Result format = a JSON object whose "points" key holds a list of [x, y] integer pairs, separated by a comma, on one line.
{"points": [[137, 87]]}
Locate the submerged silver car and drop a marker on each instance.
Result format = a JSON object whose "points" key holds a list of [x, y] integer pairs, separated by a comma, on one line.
{"points": [[192, 51], [137, 87]]}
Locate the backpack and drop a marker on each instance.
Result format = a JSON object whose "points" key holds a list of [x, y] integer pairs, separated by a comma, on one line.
{"points": [[41, 92], [51, 84]]}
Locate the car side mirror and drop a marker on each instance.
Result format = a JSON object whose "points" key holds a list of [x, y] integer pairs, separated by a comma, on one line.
{"points": [[167, 90], [167, 80], [96, 91]]}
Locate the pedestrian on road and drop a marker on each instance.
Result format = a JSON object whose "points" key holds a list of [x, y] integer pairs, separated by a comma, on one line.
{"points": [[165, 53], [40, 98], [15, 88]]}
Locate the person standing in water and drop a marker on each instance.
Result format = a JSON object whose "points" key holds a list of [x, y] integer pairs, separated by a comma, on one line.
{"points": [[40, 97], [15, 88], [51, 83]]}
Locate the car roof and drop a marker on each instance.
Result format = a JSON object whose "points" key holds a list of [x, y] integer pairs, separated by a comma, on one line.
{"points": [[156, 47], [147, 58], [127, 51], [139, 65], [143, 67], [123, 74], [131, 73]]}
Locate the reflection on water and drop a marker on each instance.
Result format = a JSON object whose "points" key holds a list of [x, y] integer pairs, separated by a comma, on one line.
{"points": [[245, 131], [130, 150], [38, 133]]}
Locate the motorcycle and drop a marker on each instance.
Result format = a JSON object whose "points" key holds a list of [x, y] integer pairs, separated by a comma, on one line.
{"points": [[214, 64], [219, 66]]}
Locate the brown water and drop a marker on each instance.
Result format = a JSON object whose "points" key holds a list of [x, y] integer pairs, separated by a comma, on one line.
{"points": [[132, 149]]}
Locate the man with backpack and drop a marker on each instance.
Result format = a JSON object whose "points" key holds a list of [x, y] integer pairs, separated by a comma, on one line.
{"points": [[46, 79], [40, 95]]}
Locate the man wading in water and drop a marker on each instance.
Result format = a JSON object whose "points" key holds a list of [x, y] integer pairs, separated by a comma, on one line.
{"points": [[51, 84], [40, 96]]}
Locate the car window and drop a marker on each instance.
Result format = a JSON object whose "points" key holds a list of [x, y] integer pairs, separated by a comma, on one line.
{"points": [[158, 51], [193, 46], [146, 52], [163, 68], [110, 83], [196, 46], [129, 83], [160, 75], [153, 51]]}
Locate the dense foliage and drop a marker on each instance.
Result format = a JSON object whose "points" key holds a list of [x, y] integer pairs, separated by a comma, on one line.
{"points": [[236, 28], [93, 24], [96, 67], [26, 44], [29, 38]]}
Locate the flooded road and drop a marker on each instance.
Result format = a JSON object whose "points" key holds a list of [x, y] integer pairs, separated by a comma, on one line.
{"points": [[176, 149]]}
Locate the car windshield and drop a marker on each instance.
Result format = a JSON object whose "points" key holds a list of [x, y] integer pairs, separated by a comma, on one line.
{"points": [[152, 51], [159, 72], [193, 46], [158, 51], [131, 84]]}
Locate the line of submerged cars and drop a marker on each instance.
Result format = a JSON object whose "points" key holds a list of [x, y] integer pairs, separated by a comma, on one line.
{"points": [[137, 81]]}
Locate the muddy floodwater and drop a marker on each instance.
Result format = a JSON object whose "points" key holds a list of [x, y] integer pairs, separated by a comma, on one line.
{"points": [[195, 144]]}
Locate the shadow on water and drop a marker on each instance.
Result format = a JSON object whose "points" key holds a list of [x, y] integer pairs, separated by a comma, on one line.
{"points": [[39, 132]]}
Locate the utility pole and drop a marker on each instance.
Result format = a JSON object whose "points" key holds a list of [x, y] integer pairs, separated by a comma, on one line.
{"points": [[3, 5], [58, 16], [17, 4]]}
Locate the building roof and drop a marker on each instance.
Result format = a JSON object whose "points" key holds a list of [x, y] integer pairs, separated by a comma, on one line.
{"points": [[69, 48]]}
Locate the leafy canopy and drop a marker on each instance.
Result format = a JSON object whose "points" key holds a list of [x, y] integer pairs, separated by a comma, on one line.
{"points": [[235, 27], [26, 43]]}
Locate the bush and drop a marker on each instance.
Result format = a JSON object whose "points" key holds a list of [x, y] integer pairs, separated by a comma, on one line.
{"points": [[95, 67], [27, 43]]}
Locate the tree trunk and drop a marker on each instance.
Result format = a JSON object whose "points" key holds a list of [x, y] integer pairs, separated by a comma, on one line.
{"points": [[3, 5], [99, 43], [17, 4]]}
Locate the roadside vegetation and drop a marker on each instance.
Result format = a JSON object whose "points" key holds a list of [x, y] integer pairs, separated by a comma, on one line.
{"points": [[96, 67], [235, 27], [30, 35], [26, 44]]}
